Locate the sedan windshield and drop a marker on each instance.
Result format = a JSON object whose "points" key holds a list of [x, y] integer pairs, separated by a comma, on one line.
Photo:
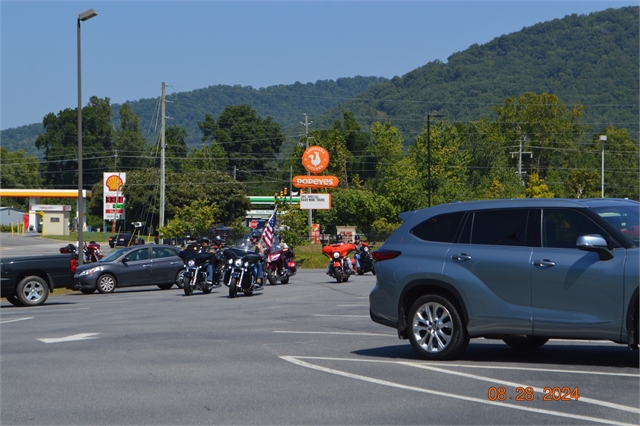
{"points": [[625, 219], [115, 255]]}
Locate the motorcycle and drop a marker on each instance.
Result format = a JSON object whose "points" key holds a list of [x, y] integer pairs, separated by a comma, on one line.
{"points": [[275, 270], [340, 266], [92, 252], [195, 265], [365, 260], [239, 275]]}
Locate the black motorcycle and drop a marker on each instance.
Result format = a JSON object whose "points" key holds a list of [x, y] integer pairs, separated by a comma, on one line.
{"points": [[239, 274], [365, 260], [195, 273]]}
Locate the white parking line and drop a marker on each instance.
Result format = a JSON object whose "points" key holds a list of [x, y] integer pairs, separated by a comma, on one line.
{"points": [[545, 370], [516, 385], [297, 361], [43, 309], [14, 320]]}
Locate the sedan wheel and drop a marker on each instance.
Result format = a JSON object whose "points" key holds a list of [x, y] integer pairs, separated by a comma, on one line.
{"points": [[437, 331], [180, 278], [106, 284]]}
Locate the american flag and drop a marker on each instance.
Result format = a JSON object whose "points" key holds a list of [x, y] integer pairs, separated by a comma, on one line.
{"points": [[267, 235]]}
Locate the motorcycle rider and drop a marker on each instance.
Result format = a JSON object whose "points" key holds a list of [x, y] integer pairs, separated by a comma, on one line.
{"points": [[287, 254], [258, 248], [205, 248], [359, 248]]}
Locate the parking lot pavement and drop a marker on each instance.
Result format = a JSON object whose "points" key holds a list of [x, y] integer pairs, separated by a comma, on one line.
{"points": [[302, 353]]}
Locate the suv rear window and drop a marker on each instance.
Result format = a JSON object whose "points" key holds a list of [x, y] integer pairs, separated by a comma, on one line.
{"points": [[441, 229], [505, 227]]}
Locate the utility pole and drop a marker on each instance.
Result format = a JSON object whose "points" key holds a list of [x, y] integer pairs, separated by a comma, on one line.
{"points": [[306, 132], [162, 146], [520, 152], [115, 170]]}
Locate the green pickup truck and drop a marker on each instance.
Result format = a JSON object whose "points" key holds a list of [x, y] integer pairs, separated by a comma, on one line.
{"points": [[27, 281]]}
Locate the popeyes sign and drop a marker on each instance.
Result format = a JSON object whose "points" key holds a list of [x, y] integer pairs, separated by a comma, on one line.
{"points": [[315, 159], [315, 181]]}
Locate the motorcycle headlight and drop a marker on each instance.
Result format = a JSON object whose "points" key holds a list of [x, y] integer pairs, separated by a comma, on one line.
{"points": [[246, 264], [366, 249], [238, 262], [90, 271], [336, 255], [230, 261], [191, 262]]}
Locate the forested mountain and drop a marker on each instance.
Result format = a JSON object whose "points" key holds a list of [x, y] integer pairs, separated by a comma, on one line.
{"points": [[589, 59], [285, 104]]}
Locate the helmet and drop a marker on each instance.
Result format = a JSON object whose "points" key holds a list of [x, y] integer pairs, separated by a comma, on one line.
{"points": [[285, 246], [204, 240], [217, 240], [255, 234], [339, 237], [357, 237]]}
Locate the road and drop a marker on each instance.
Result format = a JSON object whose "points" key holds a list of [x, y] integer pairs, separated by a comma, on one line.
{"points": [[302, 353]]}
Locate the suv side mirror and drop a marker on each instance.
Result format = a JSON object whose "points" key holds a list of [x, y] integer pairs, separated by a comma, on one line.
{"points": [[594, 242]]}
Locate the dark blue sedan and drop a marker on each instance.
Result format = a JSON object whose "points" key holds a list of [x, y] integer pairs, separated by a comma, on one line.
{"points": [[132, 266]]}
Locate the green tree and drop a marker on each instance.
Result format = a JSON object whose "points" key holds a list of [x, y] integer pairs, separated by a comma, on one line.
{"points": [[59, 143], [142, 194], [397, 178], [621, 160], [536, 188], [18, 170], [292, 222], [131, 147], [542, 125], [251, 142], [582, 183], [360, 208], [195, 218], [449, 162], [176, 148]]}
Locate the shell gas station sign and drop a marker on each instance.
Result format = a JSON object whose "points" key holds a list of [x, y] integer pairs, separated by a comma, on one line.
{"points": [[113, 199]]}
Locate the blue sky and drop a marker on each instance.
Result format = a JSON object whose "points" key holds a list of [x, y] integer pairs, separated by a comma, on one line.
{"points": [[130, 48]]}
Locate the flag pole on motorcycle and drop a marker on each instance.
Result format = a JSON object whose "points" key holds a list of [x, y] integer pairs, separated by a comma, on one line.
{"points": [[267, 234]]}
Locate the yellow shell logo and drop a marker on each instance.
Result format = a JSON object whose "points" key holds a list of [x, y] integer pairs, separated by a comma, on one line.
{"points": [[114, 183]]}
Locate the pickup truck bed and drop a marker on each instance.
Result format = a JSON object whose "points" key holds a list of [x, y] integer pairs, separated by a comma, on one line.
{"points": [[28, 280]]}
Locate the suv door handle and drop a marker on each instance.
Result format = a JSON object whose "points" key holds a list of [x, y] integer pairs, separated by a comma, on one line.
{"points": [[148, 265], [461, 257], [544, 263]]}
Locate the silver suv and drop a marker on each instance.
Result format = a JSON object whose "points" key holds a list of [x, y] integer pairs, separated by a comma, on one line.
{"points": [[520, 270]]}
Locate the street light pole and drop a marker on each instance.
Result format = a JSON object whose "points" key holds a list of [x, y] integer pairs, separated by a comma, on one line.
{"points": [[81, 17], [603, 138], [429, 156]]}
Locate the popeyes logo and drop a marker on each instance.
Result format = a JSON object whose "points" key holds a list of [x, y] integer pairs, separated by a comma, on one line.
{"points": [[114, 183], [315, 181], [315, 159]]}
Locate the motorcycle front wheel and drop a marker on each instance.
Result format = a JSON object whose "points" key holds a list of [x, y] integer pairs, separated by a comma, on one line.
{"points": [[338, 274], [271, 276], [233, 287], [188, 289]]}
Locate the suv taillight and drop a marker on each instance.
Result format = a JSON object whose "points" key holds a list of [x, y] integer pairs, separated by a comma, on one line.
{"points": [[380, 255], [73, 265]]}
